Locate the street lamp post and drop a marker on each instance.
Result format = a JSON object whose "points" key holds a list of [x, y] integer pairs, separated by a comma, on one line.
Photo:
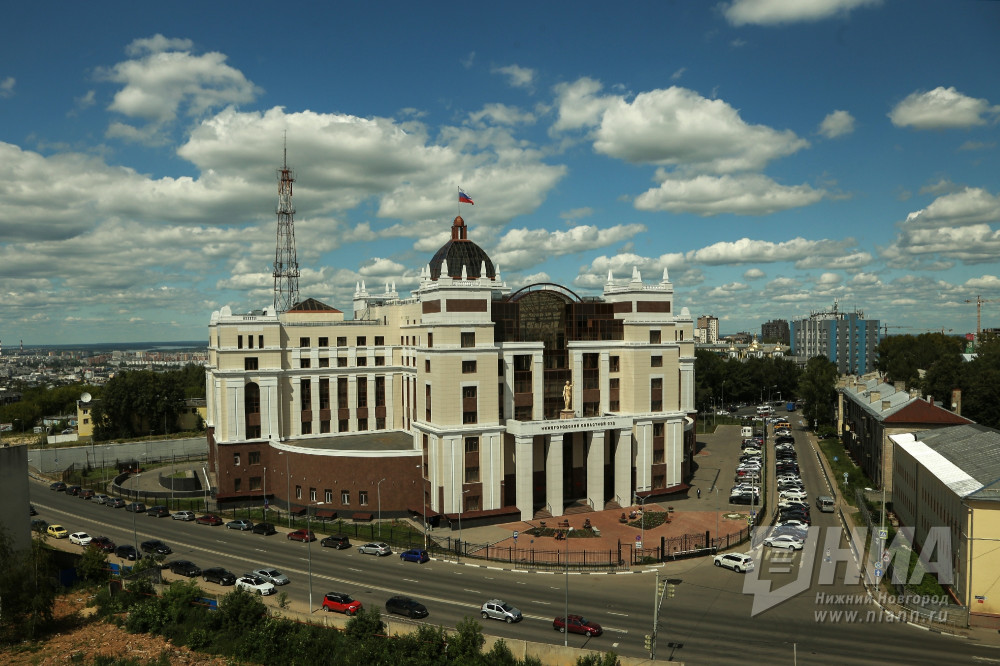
{"points": [[265, 493], [378, 490], [642, 525], [566, 616], [309, 551]]}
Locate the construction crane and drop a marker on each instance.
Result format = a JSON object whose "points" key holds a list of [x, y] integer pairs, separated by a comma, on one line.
{"points": [[979, 312]]}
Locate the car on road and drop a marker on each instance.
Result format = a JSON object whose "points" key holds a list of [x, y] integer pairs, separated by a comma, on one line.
{"points": [[739, 562], [184, 515], [39, 525], [80, 538], [127, 552], [339, 602], [417, 555], [271, 575], [86, 493], [783, 541], [57, 531], [158, 511], [135, 507], [155, 547], [208, 519], [100, 498], [239, 524], [255, 584], [264, 528], [406, 606], [496, 609], [338, 541], [218, 575], [32, 511], [115, 503], [577, 624], [58, 485], [102, 543], [375, 548], [302, 535], [185, 568], [73, 490]]}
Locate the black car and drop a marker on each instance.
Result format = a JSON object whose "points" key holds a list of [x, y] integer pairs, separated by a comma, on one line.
{"points": [[264, 528], [58, 485], [73, 490], [127, 553], [39, 525], [156, 547], [135, 507], [185, 568], [405, 606], [158, 511], [218, 575], [338, 541]]}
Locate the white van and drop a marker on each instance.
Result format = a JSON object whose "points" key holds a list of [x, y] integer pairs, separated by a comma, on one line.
{"points": [[746, 431], [825, 503]]}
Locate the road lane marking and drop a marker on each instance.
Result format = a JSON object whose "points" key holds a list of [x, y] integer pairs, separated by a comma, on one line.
{"points": [[467, 590], [614, 613]]}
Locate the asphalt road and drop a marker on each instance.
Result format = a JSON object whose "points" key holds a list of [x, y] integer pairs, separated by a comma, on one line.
{"points": [[709, 621]]}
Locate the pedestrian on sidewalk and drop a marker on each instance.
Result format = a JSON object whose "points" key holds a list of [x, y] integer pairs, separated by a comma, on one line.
{"points": [[699, 493]]}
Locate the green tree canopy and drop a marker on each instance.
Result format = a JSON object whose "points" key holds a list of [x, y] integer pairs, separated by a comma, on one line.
{"points": [[817, 388]]}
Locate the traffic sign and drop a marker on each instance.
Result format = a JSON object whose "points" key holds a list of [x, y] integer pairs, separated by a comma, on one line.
{"points": [[883, 534], [515, 535], [878, 572], [885, 556]]}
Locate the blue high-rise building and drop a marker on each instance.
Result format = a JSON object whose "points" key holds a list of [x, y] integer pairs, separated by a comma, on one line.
{"points": [[845, 338]]}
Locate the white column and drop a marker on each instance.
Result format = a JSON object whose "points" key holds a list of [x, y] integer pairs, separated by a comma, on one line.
{"points": [[352, 403], [595, 470], [537, 387], [577, 380], [623, 466], [523, 477], [643, 454], [554, 475], [605, 379], [491, 469], [673, 453], [390, 403], [508, 392]]}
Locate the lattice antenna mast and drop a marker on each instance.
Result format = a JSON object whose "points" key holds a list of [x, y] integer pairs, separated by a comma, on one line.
{"points": [[286, 263]]}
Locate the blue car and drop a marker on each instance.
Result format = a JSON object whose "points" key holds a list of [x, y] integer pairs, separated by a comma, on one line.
{"points": [[415, 555]]}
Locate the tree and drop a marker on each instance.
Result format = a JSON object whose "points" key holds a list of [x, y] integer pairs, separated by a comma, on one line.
{"points": [[136, 403], [817, 389], [93, 565], [28, 585], [466, 644]]}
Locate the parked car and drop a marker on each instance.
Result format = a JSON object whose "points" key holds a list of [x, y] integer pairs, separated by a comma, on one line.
{"points": [[58, 485], [135, 507], [86, 493], [158, 511], [577, 624], [57, 531], [302, 535], [127, 552], [80, 538], [375, 549], [115, 502], [793, 495], [271, 575], [73, 490], [184, 515], [338, 541], [783, 541], [739, 562], [417, 555], [102, 543], [340, 603], [218, 575], [156, 547], [208, 519], [100, 498], [39, 525], [185, 568], [406, 606], [255, 584], [239, 524], [264, 528], [496, 609]]}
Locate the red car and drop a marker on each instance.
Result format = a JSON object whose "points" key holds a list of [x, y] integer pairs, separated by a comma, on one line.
{"points": [[577, 625], [208, 519], [302, 535], [102, 543], [341, 603]]}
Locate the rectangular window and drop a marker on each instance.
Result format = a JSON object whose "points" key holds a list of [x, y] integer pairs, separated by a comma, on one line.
{"points": [[341, 362], [362, 391], [254, 457], [656, 362], [380, 360], [468, 339], [341, 341], [654, 337], [328, 496], [249, 342], [324, 342], [468, 367], [324, 393], [470, 407], [255, 483], [472, 502], [363, 497], [306, 395], [427, 402], [380, 423], [237, 485], [362, 425], [472, 474], [239, 342], [427, 365], [236, 460], [343, 425], [250, 363], [380, 341], [613, 383], [362, 361], [260, 341], [305, 363], [380, 391], [307, 427], [613, 364], [472, 445], [298, 492], [303, 342], [430, 339], [362, 341], [345, 497], [312, 494], [324, 362]]}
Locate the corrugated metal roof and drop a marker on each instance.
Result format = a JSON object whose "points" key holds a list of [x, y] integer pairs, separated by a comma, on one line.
{"points": [[973, 448], [946, 471]]}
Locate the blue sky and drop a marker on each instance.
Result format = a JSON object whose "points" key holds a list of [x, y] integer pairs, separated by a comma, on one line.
{"points": [[775, 156]]}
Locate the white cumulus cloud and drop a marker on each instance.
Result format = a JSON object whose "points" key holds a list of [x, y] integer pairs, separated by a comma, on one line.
{"points": [[837, 124], [942, 108], [776, 12], [973, 205], [744, 194]]}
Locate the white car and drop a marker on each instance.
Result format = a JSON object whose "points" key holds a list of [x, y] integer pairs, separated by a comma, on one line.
{"points": [[784, 541], [792, 523], [375, 548], [793, 495], [255, 584], [739, 562], [271, 575], [80, 538]]}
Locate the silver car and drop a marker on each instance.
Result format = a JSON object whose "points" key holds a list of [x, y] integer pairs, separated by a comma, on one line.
{"points": [[498, 610], [184, 515], [271, 575], [100, 499], [375, 549]]}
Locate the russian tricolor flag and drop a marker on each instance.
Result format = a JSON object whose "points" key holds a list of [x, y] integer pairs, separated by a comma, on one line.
{"points": [[464, 198]]}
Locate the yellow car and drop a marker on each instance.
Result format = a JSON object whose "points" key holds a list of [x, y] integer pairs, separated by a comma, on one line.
{"points": [[57, 531]]}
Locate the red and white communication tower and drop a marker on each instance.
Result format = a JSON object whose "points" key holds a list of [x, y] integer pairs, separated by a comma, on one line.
{"points": [[286, 263]]}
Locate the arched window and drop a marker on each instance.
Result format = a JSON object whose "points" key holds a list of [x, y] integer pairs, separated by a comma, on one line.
{"points": [[251, 408]]}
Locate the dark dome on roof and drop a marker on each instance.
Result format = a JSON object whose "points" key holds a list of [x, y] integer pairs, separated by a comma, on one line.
{"points": [[460, 253]]}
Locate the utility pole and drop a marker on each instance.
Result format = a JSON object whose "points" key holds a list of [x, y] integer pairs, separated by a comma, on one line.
{"points": [[664, 588]]}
